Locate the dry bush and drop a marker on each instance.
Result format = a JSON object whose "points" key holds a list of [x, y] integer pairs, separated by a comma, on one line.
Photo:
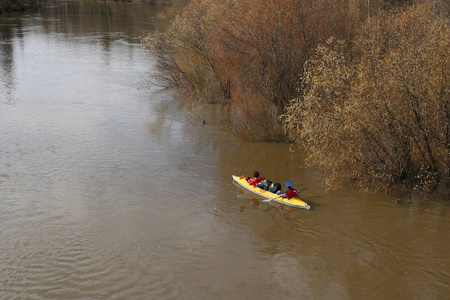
{"points": [[271, 40], [251, 51], [381, 116], [183, 55]]}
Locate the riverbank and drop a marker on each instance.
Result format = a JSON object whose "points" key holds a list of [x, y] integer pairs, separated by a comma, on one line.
{"points": [[17, 5], [308, 73]]}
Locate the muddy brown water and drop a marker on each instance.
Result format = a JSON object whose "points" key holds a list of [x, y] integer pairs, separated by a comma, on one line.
{"points": [[110, 190]]}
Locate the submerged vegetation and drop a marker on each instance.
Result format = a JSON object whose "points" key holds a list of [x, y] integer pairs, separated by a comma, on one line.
{"points": [[362, 85]]}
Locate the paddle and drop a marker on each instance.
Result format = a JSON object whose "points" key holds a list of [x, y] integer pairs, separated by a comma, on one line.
{"points": [[301, 191]]}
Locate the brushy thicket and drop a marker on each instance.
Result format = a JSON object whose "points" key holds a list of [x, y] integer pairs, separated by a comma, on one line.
{"points": [[248, 54], [363, 85], [380, 113]]}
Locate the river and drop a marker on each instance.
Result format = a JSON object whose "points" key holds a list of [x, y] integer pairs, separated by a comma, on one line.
{"points": [[111, 189]]}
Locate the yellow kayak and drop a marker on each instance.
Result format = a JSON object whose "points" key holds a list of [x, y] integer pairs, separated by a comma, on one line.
{"points": [[294, 202]]}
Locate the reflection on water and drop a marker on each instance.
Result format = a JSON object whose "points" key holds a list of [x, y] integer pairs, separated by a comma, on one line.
{"points": [[7, 63], [109, 190]]}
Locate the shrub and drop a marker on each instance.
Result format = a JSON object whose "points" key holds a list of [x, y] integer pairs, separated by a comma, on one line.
{"points": [[381, 115], [247, 54]]}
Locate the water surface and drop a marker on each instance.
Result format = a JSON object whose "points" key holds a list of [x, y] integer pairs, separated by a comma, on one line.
{"points": [[111, 189]]}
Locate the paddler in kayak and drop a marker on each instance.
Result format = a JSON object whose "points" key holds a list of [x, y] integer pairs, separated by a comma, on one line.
{"points": [[289, 192], [255, 179]]}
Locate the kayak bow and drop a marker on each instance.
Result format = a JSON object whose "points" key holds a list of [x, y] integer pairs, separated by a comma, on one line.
{"points": [[293, 202]]}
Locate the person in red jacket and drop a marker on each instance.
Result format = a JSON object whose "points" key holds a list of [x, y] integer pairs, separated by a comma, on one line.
{"points": [[255, 179], [290, 192]]}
